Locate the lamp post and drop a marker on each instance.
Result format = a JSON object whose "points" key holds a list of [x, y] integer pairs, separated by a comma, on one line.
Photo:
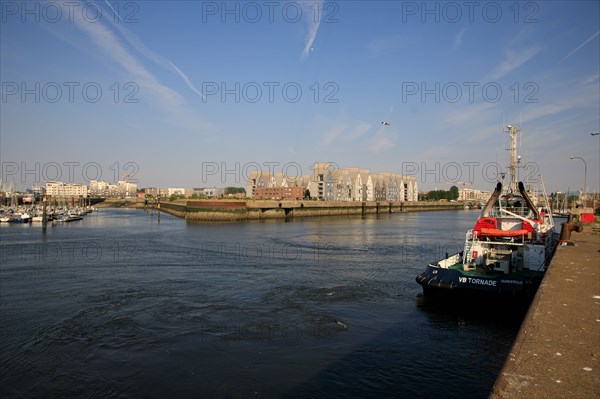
{"points": [[594, 197], [584, 176]]}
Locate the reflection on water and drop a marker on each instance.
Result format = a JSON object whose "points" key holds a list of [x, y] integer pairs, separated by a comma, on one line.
{"points": [[119, 305]]}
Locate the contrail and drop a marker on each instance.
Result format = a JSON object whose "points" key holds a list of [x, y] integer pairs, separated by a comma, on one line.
{"points": [[580, 46], [165, 63], [313, 28], [113, 10]]}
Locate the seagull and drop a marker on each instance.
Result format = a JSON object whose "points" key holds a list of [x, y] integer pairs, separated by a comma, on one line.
{"points": [[384, 123]]}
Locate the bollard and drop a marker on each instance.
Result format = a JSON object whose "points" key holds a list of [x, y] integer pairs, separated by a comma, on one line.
{"points": [[567, 228]]}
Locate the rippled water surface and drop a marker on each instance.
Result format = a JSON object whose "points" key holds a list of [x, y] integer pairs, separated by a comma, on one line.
{"points": [[118, 305]]}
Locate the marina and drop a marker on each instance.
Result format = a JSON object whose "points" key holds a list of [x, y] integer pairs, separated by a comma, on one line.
{"points": [[37, 214]]}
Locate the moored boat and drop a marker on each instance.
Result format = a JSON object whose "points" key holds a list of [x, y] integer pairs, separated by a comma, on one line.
{"points": [[506, 252], [21, 218]]}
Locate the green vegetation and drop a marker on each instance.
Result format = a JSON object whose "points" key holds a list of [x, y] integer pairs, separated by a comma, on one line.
{"points": [[440, 195], [174, 197], [234, 190]]}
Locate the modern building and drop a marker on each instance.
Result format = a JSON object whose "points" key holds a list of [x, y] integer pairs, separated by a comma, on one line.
{"points": [[100, 188], [66, 190], [213, 192], [126, 189], [277, 193], [104, 189], [175, 191], [471, 194], [330, 183]]}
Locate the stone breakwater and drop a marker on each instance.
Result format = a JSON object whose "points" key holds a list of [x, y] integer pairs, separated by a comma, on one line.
{"points": [[224, 210]]}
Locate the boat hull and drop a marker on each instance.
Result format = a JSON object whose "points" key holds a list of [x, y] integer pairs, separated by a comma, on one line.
{"points": [[441, 281]]}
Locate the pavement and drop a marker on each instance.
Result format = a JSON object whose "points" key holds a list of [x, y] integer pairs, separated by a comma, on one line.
{"points": [[557, 351]]}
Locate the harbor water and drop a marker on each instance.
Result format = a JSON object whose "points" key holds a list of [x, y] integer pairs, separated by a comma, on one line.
{"points": [[120, 305]]}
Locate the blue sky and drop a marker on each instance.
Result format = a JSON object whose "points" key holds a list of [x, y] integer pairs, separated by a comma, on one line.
{"points": [[192, 94]]}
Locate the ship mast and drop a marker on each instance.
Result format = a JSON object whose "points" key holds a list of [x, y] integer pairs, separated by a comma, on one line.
{"points": [[513, 157]]}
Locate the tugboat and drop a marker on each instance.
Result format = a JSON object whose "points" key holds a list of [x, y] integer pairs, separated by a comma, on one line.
{"points": [[507, 251]]}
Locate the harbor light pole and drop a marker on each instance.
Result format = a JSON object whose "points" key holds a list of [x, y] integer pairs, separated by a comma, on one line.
{"points": [[584, 176]]}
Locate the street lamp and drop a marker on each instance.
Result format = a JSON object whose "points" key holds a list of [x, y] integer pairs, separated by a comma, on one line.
{"points": [[584, 175]]}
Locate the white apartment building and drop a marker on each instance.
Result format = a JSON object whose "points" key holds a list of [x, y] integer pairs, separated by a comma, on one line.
{"points": [[330, 183], [60, 189], [471, 194]]}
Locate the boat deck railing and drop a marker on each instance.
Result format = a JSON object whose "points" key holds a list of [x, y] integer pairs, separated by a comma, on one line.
{"points": [[522, 211]]}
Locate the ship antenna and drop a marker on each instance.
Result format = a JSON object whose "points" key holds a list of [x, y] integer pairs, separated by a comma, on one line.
{"points": [[513, 158]]}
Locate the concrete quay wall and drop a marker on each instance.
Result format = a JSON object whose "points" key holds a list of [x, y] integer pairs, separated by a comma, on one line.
{"points": [[557, 351], [263, 209]]}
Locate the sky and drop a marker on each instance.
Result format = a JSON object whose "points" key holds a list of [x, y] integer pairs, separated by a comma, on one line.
{"points": [[200, 93]]}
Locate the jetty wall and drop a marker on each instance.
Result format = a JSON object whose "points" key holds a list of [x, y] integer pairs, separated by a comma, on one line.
{"points": [[224, 210], [557, 351]]}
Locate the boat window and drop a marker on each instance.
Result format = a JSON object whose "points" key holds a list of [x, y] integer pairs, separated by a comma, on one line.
{"points": [[516, 205]]}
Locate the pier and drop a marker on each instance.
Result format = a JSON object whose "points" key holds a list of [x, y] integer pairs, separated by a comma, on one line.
{"points": [[224, 210], [557, 351]]}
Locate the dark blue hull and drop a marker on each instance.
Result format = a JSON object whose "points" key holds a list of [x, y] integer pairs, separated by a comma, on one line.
{"points": [[440, 281]]}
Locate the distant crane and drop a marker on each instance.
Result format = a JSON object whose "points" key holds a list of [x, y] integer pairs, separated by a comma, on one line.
{"points": [[128, 176]]}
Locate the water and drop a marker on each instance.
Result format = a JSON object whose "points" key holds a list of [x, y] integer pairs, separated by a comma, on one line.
{"points": [[118, 305]]}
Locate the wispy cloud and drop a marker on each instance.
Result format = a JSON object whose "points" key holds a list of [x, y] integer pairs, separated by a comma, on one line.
{"points": [[458, 38], [469, 115], [589, 39], [513, 61], [358, 131], [313, 26], [332, 133], [113, 48], [385, 45], [383, 140], [345, 131], [457, 125], [172, 104], [519, 37], [593, 78], [134, 41], [568, 95]]}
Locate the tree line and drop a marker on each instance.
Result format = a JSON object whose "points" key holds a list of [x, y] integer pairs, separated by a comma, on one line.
{"points": [[437, 195]]}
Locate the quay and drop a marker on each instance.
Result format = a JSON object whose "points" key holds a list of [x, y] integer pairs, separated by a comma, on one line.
{"points": [[224, 210], [557, 351]]}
